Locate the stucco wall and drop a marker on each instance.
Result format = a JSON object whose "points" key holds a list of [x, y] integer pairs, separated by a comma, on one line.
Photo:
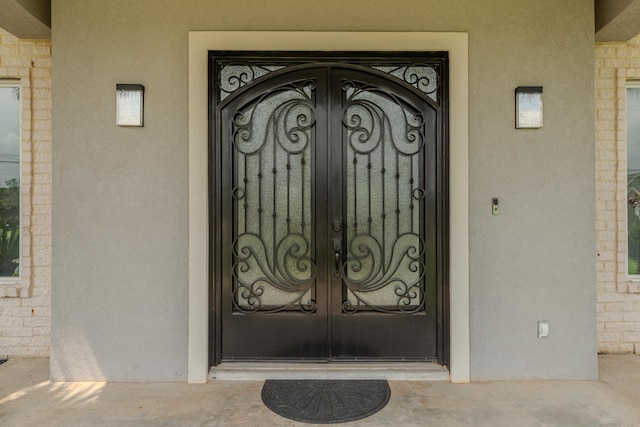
{"points": [[25, 306], [120, 202], [618, 296]]}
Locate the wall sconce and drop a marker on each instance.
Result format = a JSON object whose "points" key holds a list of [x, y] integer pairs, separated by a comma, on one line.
{"points": [[528, 107], [129, 104]]}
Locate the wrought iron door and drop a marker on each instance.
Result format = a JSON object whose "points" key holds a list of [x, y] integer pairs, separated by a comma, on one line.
{"points": [[330, 210]]}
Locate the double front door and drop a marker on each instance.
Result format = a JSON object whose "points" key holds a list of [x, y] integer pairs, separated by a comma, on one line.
{"points": [[329, 216]]}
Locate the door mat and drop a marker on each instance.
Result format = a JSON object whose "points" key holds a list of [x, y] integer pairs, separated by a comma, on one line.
{"points": [[325, 401]]}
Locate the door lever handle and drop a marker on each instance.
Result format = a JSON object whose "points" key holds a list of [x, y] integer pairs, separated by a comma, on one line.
{"points": [[337, 247]]}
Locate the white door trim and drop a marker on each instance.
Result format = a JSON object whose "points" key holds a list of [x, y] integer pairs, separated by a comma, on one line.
{"points": [[201, 42]]}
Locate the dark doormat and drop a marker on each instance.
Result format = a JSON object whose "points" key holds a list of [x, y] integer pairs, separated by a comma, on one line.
{"points": [[325, 401]]}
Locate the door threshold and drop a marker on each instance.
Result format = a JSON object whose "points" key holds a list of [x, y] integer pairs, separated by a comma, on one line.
{"points": [[401, 371]]}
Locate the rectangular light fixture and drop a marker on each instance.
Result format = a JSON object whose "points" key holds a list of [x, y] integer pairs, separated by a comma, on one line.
{"points": [[129, 104], [528, 107]]}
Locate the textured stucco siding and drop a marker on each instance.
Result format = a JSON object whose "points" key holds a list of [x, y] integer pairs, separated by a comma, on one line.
{"points": [[120, 225]]}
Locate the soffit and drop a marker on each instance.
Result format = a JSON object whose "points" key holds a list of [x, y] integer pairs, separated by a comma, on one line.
{"points": [[617, 20], [26, 19]]}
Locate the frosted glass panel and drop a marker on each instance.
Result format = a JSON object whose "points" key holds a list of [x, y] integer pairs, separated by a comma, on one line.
{"points": [[384, 265], [129, 105], [273, 141], [421, 76], [235, 76]]}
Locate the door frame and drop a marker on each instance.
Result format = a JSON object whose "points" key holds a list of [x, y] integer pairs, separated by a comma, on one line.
{"points": [[200, 43], [255, 336]]}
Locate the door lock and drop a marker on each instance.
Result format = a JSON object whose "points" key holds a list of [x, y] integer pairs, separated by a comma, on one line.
{"points": [[337, 225]]}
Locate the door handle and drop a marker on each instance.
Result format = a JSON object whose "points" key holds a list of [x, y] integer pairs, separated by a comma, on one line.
{"points": [[337, 248], [336, 270]]}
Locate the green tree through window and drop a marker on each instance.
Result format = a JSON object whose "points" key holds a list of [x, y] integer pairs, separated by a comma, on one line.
{"points": [[9, 179], [10, 232]]}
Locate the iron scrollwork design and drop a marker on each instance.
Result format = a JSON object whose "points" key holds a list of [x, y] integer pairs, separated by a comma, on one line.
{"points": [[407, 253], [235, 75], [272, 246], [423, 77], [385, 254], [232, 76], [291, 270], [368, 124]]}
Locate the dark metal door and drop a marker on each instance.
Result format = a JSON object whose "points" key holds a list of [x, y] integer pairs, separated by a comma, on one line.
{"points": [[329, 217]]}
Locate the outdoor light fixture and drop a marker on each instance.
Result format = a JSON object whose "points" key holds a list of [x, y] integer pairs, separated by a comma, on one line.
{"points": [[528, 107], [129, 104]]}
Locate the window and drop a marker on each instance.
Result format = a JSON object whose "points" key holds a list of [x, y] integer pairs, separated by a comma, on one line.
{"points": [[633, 177], [9, 178]]}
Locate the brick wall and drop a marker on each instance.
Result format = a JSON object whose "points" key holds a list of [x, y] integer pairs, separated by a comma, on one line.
{"points": [[25, 306], [618, 298]]}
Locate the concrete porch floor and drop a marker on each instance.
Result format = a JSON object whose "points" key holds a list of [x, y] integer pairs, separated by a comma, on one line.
{"points": [[27, 398]]}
